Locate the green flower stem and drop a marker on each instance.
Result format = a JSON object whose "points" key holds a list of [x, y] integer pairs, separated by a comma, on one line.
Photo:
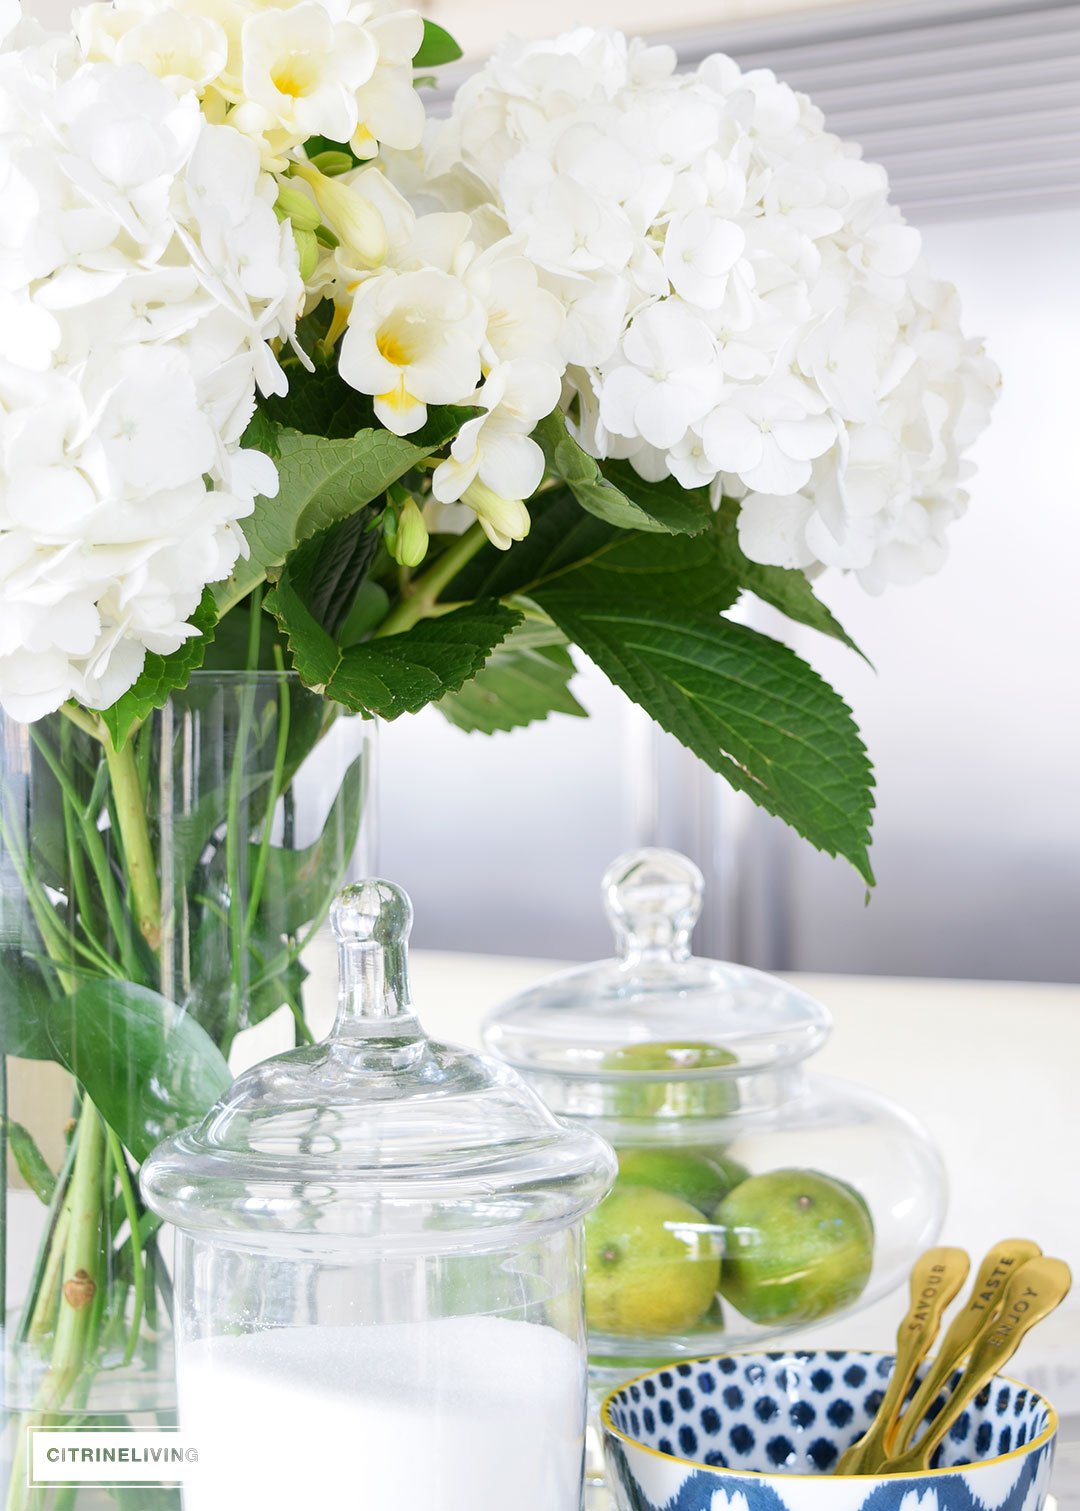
{"points": [[43, 1318], [138, 1271], [258, 879], [82, 1280], [50, 1253], [82, 1276], [135, 835], [425, 589], [76, 814], [235, 840]]}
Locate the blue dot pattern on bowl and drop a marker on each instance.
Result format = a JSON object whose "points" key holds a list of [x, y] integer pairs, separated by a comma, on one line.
{"points": [[795, 1413]]}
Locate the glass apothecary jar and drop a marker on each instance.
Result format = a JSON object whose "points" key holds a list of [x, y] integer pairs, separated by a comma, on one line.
{"points": [[378, 1276], [753, 1197]]}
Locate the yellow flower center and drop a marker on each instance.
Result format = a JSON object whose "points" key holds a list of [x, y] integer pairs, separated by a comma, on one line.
{"points": [[394, 348], [295, 74]]}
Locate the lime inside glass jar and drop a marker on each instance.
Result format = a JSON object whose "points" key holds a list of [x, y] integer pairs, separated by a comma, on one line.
{"points": [[753, 1196]]}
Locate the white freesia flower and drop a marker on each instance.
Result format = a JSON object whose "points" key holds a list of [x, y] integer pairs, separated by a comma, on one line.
{"points": [[413, 339], [280, 73], [145, 275], [304, 69], [744, 308], [496, 446], [503, 520]]}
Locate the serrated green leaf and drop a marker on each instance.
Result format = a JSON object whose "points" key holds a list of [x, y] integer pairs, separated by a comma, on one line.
{"points": [[261, 433], [438, 47], [526, 679], [784, 588], [370, 607], [162, 675], [329, 568], [32, 1164], [148, 1067], [688, 570], [747, 705], [567, 546], [562, 537], [621, 498], [396, 674], [321, 482], [320, 402]]}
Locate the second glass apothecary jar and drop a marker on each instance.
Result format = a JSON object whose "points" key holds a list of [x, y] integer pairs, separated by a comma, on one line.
{"points": [[379, 1266], [753, 1197]]}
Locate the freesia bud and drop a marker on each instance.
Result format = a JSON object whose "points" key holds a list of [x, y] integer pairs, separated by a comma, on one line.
{"points": [[296, 207], [410, 543], [332, 163], [355, 220], [308, 248], [503, 520]]}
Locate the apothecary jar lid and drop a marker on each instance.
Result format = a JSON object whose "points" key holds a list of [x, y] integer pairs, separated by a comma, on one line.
{"points": [[655, 1009], [377, 1135]]}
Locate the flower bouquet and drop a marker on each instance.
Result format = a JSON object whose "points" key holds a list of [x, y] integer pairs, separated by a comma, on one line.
{"points": [[401, 411]]}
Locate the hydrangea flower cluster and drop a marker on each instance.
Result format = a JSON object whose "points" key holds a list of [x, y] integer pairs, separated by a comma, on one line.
{"points": [[744, 307], [143, 277]]}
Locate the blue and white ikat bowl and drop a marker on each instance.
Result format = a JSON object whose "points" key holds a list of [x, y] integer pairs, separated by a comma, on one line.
{"points": [[762, 1432]]}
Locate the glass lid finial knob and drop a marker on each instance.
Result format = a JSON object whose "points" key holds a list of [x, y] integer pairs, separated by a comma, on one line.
{"points": [[653, 900], [373, 913], [372, 921]]}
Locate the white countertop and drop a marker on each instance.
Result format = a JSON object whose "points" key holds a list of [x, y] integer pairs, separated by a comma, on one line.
{"points": [[991, 1068]]}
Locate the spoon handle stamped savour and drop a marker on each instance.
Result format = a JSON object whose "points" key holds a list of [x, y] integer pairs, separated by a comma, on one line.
{"points": [[1035, 1289], [994, 1273], [936, 1279]]}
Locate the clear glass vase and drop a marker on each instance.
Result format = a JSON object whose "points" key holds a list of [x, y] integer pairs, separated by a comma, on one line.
{"points": [[155, 903]]}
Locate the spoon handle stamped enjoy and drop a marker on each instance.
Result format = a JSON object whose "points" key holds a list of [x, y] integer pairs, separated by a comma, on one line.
{"points": [[935, 1281], [994, 1273], [1031, 1294]]}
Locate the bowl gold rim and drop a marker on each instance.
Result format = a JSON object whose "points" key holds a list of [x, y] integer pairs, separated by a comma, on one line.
{"points": [[1048, 1432]]}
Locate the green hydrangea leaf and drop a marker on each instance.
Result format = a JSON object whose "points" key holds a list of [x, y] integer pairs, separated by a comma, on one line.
{"points": [[629, 503], [395, 674], [745, 704], [524, 681], [322, 481], [784, 588]]}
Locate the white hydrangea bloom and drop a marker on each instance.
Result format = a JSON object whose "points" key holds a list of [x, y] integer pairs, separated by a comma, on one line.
{"points": [[745, 310], [279, 72], [143, 276]]}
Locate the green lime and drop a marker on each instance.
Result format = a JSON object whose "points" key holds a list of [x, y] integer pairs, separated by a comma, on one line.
{"points": [[732, 1171], [649, 1269], [860, 1198], [798, 1245], [695, 1177], [650, 1094]]}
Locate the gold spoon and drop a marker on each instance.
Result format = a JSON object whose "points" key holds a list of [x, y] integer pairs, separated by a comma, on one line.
{"points": [[983, 1303], [935, 1281], [1031, 1294]]}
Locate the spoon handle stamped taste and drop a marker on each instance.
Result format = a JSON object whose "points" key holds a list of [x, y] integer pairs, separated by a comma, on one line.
{"points": [[935, 1282], [994, 1273], [1036, 1288]]}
